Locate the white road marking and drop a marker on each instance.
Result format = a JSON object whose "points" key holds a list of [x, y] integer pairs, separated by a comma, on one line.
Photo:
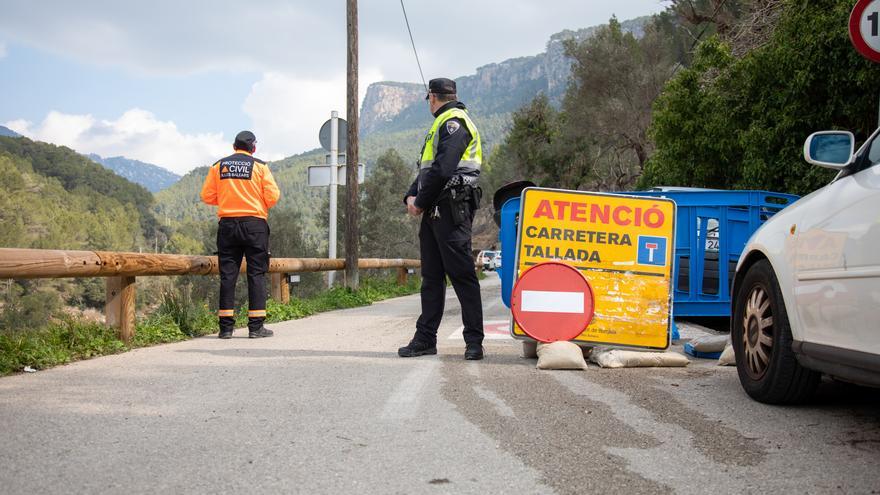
{"points": [[676, 445], [500, 406], [545, 301], [492, 330], [407, 396]]}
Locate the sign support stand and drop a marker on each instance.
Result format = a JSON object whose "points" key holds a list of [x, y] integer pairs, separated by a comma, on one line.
{"points": [[334, 165]]}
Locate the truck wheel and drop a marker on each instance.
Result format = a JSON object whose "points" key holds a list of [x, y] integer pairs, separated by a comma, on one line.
{"points": [[767, 367]]}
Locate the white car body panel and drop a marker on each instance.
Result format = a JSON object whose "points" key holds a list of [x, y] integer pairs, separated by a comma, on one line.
{"points": [[825, 251]]}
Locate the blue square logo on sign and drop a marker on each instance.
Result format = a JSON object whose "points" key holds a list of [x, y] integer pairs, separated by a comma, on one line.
{"points": [[652, 250]]}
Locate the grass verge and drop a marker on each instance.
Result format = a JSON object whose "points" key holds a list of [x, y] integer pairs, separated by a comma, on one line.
{"points": [[178, 318]]}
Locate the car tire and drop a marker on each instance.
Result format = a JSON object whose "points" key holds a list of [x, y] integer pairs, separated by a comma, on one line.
{"points": [[768, 368]]}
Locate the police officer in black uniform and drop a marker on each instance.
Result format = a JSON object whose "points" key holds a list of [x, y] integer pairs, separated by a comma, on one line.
{"points": [[445, 193]]}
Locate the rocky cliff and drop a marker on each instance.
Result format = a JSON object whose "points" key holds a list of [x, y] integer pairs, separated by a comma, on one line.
{"points": [[385, 100], [495, 90]]}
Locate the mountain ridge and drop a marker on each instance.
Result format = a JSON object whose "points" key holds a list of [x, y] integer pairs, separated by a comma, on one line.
{"points": [[7, 132], [153, 177], [494, 89]]}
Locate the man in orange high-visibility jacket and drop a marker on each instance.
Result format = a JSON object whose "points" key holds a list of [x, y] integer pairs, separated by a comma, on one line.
{"points": [[243, 188]]}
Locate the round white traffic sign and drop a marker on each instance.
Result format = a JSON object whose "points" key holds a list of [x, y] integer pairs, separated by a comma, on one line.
{"points": [[864, 28]]}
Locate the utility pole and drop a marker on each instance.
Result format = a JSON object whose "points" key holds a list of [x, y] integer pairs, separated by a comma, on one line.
{"points": [[352, 210]]}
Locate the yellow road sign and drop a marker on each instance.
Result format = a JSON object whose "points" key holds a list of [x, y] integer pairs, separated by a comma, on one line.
{"points": [[624, 247]]}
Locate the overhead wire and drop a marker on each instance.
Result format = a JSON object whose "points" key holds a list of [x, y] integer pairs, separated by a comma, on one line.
{"points": [[405, 18]]}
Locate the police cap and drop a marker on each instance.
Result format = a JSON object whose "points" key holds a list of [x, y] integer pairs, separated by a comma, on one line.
{"points": [[245, 140], [441, 86]]}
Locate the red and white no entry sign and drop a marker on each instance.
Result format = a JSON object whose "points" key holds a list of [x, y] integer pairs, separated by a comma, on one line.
{"points": [[552, 301], [864, 28]]}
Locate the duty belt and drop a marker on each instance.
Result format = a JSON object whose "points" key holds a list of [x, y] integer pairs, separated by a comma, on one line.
{"points": [[461, 180]]}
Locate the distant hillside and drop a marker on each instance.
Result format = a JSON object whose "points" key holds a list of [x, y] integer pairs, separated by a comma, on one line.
{"points": [[181, 201], [53, 197], [7, 132], [152, 177], [77, 174]]}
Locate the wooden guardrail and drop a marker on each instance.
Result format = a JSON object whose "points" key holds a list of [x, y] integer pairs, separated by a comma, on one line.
{"points": [[121, 270]]}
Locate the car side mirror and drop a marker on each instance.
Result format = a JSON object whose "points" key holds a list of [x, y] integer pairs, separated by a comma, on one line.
{"points": [[830, 149]]}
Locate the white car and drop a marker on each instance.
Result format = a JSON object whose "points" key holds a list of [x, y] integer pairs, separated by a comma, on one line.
{"points": [[496, 261], [485, 259], [806, 296]]}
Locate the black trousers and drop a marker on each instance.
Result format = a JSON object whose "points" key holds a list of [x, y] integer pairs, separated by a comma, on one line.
{"points": [[446, 250], [246, 237]]}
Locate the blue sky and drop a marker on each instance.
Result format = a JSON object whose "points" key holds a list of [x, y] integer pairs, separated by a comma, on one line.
{"points": [[44, 81], [171, 82]]}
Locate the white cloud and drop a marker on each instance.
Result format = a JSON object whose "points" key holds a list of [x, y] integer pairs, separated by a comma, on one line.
{"points": [[296, 47], [135, 134], [288, 111], [304, 37]]}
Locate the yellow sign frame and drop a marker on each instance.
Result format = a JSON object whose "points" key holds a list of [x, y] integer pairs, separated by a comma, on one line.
{"points": [[632, 300]]}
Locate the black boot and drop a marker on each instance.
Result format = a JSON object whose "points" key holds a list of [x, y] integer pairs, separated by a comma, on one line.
{"points": [[473, 352], [417, 348], [226, 325], [260, 333]]}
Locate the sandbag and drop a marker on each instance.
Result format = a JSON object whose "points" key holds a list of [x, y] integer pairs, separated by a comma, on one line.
{"points": [[710, 343], [562, 355], [728, 358], [619, 358]]}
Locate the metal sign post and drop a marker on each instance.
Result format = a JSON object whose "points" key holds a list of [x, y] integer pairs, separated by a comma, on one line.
{"points": [[334, 164], [332, 135]]}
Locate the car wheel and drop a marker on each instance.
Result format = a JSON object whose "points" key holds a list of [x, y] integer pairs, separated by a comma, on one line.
{"points": [[767, 367]]}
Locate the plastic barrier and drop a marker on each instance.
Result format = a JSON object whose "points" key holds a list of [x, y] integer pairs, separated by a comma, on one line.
{"points": [[507, 235], [712, 229]]}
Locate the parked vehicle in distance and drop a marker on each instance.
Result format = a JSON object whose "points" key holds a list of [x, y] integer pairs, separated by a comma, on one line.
{"points": [[806, 296], [496, 261], [485, 258]]}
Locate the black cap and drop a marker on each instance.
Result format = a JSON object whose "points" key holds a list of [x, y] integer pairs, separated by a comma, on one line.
{"points": [[441, 86], [245, 140]]}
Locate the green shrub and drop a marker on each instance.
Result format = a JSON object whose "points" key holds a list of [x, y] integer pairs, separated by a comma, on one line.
{"points": [[177, 318], [28, 310], [56, 343]]}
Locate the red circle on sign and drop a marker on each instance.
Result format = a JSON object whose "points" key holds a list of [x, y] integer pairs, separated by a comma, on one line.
{"points": [[855, 32], [552, 301]]}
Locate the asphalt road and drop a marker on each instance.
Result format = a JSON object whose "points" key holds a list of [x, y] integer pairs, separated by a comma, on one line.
{"points": [[326, 406]]}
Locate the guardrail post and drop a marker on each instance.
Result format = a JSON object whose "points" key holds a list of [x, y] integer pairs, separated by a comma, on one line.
{"points": [[402, 274], [280, 287], [119, 306]]}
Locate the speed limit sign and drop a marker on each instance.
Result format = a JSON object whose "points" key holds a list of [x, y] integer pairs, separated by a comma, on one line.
{"points": [[864, 28]]}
